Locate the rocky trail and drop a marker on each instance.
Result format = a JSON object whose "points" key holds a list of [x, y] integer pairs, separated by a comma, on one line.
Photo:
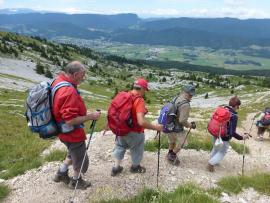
{"points": [[37, 186]]}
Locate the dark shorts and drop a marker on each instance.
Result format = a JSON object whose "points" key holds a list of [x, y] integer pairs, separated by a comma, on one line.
{"points": [[76, 153], [261, 130]]}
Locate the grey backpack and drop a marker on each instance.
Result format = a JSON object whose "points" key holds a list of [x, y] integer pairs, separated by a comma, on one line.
{"points": [[39, 109]]}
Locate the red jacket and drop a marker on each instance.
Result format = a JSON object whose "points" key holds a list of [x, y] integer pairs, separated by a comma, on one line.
{"points": [[68, 105]]}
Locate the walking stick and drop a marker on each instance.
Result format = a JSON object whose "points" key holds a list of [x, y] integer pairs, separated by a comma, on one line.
{"points": [[183, 143], [91, 131], [158, 134], [244, 151]]}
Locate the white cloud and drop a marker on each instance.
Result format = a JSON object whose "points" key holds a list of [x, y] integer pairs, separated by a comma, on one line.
{"points": [[235, 3], [230, 8], [71, 10], [244, 13], [161, 12], [1, 2], [236, 12]]}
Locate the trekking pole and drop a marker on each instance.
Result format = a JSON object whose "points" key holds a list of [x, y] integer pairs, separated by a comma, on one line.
{"points": [[180, 148], [244, 151], [91, 131], [250, 127], [183, 143], [158, 134]]}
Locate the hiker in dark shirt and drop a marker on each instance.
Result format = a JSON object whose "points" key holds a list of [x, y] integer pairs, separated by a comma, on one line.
{"points": [[218, 153]]}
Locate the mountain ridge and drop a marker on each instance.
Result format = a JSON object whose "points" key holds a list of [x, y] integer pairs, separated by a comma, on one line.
{"points": [[214, 32]]}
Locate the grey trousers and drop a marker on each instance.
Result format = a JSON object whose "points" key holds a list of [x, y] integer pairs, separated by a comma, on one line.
{"points": [[133, 141], [76, 153]]}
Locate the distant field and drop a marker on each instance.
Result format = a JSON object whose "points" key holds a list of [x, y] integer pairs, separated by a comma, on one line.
{"points": [[248, 58], [229, 59]]}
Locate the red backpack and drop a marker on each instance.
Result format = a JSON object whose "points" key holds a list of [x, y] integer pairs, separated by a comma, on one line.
{"points": [[120, 113], [266, 117], [218, 123]]}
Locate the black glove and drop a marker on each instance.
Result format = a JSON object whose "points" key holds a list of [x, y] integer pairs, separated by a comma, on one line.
{"points": [[193, 125]]}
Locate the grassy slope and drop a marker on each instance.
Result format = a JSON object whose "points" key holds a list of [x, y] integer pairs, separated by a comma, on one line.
{"points": [[4, 191], [19, 149]]}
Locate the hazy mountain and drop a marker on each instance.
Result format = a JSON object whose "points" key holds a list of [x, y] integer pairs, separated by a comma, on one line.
{"points": [[83, 20], [251, 28], [183, 37], [215, 33]]}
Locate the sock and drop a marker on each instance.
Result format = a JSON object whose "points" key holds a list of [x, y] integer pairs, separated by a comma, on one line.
{"points": [[63, 168]]}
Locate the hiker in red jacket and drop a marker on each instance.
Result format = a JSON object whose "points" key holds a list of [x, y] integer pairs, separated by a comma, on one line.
{"points": [[70, 112], [134, 140]]}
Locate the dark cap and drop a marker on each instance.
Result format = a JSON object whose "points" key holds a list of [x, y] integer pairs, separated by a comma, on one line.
{"points": [[234, 101], [190, 89]]}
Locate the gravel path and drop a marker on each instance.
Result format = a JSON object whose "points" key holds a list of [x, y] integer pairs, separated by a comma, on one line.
{"points": [[37, 186]]}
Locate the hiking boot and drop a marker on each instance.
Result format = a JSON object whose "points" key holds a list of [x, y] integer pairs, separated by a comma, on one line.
{"points": [[82, 184], [116, 170], [173, 159], [61, 177], [137, 169], [210, 168]]}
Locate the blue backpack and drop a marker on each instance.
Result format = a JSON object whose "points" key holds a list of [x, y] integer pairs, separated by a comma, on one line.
{"points": [[168, 115], [39, 109]]}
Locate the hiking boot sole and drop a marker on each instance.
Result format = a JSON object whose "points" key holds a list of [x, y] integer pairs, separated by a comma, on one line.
{"points": [[176, 163], [79, 187], [116, 171]]}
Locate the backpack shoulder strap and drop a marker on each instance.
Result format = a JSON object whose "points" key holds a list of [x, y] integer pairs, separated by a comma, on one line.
{"points": [[181, 103], [229, 108], [58, 86], [135, 98], [177, 105]]}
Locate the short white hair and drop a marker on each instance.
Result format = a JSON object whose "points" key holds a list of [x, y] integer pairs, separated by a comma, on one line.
{"points": [[74, 67]]}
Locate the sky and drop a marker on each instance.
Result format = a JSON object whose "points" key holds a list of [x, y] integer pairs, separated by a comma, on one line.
{"points": [[242, 9]]}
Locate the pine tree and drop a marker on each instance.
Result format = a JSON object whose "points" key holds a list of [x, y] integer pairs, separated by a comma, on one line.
{"points": [[39, 68], [48, 73]]}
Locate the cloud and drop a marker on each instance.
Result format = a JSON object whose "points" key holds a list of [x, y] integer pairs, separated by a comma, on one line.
{"points": [[231, 8], [162, 12], [235, 3], [71, 10], [235, 12], [1, 2], [244, 13]]}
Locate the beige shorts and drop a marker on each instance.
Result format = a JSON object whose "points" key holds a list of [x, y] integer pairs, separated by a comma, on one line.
{"points": [[177, 139]]}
